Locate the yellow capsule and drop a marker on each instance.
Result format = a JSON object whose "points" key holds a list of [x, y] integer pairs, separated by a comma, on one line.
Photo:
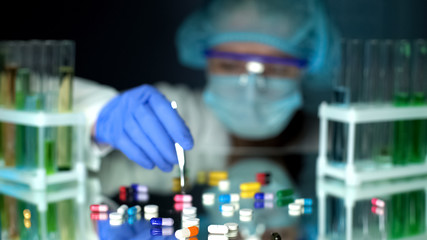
{"points": [[27, 214], [248, 194], [213, 183], [27, 223], [250, 186], [218, 175]]}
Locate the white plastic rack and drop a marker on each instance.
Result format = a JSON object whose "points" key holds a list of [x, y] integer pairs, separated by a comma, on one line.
{"points": [[37, 179], [353, 116], [351, 195]]}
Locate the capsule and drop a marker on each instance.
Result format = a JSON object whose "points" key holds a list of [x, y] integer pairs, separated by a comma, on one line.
{"points": [[218, 229], [151, 208], [139, 188], [187, 232], [183, 198], [161, 231], [284, 201], [226, 198], [99, 208], [306, 210], [378, 202], [249, 194], [179, 206], [263, 204], [161, 221], [250, 186], [284, 193], [264, 196], [99, 216], [134, 210], [123, 209], [142, 197], [304, 201]]}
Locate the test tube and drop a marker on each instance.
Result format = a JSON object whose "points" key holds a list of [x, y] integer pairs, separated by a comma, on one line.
{"points": [[2, 63], [66, 74], [402, 140], [354, 69], [419, 84]]}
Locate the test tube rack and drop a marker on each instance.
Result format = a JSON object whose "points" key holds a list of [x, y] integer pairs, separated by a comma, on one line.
{"points": [[41, 199], [38, 179], [350, 195], [352, 116]]}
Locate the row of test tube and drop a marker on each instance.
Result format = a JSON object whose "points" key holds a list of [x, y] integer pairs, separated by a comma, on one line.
{"points": [[376, 73], [36, 76]]}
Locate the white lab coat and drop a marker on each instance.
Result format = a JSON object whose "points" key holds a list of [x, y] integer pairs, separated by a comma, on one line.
{"points": [[115, 169]]}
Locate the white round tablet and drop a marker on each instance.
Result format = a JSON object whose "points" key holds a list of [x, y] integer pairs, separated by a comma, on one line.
{"points": [[115, 216], [246, 212], [208, 196], [189, 210], [294, 206], [151, 208]]}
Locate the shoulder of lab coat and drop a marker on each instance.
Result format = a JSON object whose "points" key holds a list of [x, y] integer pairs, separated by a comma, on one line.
{"points": [[89, 98], [211, 143]]}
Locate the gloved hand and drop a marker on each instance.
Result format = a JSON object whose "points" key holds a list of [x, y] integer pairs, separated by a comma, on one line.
{"points": [[142, 124]]}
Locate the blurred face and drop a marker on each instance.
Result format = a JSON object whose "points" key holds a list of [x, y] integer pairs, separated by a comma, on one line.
{"points": [[226, 66]]}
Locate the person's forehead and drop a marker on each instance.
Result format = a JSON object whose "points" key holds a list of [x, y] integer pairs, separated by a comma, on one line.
{"points": [[251, 48]]}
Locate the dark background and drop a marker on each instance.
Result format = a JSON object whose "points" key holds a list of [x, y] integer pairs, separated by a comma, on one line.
{"points": [[127, 43]]}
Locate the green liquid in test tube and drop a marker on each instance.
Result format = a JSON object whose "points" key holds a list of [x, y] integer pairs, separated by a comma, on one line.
{"points": [[401, 133], [67, 220], [419, 132], [21, 91], [52, 217], [49, 151]]}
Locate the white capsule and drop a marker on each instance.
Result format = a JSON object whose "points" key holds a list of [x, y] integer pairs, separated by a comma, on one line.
{"points": [[246, 212], [182, 233], [189, 210], [115, 216], [224, 185], [218, 229], [123, 209], [232, 226], [217, 237], [294, 206], [151, 209], [208, 196]]}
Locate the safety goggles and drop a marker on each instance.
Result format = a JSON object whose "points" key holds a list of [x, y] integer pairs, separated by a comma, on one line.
{"points": [[229, 63]]}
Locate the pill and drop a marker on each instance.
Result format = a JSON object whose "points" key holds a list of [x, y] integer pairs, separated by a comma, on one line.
{"points": [[187, 232], [264, 196], [232, 234], [27, 223], [245, 218], [151, 208], [190, 222], [250, 186], [99, 216], [304, 201], [227, 208], [149, 216], [179, 206], [187, 216], [142, 197], [232, 226], [246, 212], [139, 188], [115, 216], [226, 198], [294, 212], [189, 210], [123, 189], [275, 236], [378, 202], [116, 222], [294, 206], [161, 221], [227, 214], [217, 229], [161, 231], [284, 201], [208, 196], [99, 208], [182, 198], [27, 214], [224, 185], [217, 237], [284, 193], [377, 210], [306, 210], [221, 175], [263, 204], [134, 210], [122, 209], [247, 194]]}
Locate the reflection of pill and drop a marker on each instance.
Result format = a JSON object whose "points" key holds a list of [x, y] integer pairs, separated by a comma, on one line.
{"points": [[151, 208], [304, 201], [247, 194], [182, 198], [232, 226], [191, 222], [187, 232], [245, 218], [227, 208], [139, 188], [246, 212], [116, 222], [99, 208], [263, 204], [161, 231], [284, 201], [220, 175], [218, 229], [99, 216], [294, 212], [227, 214], [294, 206], [161, 221], [250, 186], [284, 193], [134, 210], [149, 216], [217, 237]]}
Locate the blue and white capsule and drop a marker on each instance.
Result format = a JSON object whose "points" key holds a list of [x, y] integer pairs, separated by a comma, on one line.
{"points": [[304, 201], [134, 210], [227, 198], [161, 222], [264, 196]]}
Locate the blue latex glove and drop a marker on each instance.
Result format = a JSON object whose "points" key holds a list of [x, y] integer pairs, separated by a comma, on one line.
{"points": [[142, 124]]}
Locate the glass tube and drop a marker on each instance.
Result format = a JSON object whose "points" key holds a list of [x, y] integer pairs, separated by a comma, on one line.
{"points": [[419, 84], [2, 63], [402, 140], [354, 69], [66, 73]]}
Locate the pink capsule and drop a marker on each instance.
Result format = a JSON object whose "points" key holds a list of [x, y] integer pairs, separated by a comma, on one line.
{"points": [[179, 206], [182, 198], [378, 202], [98, 216], [99, 208]]}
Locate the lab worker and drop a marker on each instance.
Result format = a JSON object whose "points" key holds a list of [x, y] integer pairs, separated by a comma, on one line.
{"points": [[268, 63]]}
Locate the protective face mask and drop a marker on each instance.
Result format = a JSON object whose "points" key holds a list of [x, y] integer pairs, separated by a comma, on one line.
{"points": [[251, 106]]}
